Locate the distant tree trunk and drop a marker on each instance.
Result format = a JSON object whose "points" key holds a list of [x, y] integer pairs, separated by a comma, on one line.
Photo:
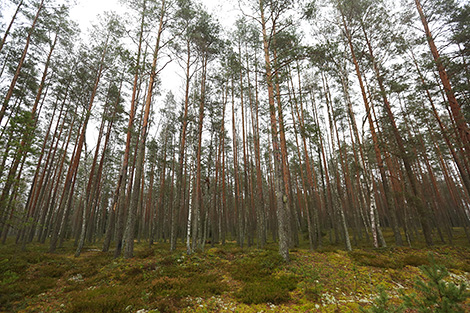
{"points": [[244, 207], [312, 177], [199, 201], [386, 187], [38, 184], [223, 210], [159, 206], [47, 201], [460, 166], [324, 171], [334, 130], [260, 218], [236, 201], [368, 177], [10, 206], [417, 202], [304, 189], [71, 174], [451, 185], [26, 139], [95, 176], [190, 215], [122, 179], [180, 195]]}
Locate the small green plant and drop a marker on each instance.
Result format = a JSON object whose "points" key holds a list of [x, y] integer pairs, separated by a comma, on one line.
{"points": [[314, 293], [435, 294], [8, 278]]}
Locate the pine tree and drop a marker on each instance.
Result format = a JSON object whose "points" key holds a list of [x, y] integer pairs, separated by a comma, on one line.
{"points": [[436, 294]]}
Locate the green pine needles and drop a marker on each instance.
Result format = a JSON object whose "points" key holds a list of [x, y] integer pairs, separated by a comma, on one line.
{"points": [[434, 294]]}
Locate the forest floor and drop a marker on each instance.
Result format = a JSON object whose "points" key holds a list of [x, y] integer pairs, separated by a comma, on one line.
{"points": [[220, 279]]}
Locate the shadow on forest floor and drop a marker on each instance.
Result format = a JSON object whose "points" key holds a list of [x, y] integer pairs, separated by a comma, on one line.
{"points": [[221, 279]]}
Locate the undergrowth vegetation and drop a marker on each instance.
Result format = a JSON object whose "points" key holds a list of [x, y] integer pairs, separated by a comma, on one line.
{"points": [[227, 279]]}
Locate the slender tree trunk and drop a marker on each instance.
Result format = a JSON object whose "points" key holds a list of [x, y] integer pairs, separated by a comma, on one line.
{"points": [[190, 217], [462, 125], [95, 178], [71, 174], [236, 201], [27, 136], [368, 178], [464, 174], [281, 191], [130, 227], [180, 196], [51, 190], [7, 31], [244, 206], [418, 202], [20, 64], [199, 201], [122, 180], [385, 184], [334, 130], [37, 183], [260, 218], [304, 189]]}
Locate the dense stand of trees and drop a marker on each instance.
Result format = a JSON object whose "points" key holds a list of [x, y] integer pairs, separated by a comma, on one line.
{"points": [[327, 121]]}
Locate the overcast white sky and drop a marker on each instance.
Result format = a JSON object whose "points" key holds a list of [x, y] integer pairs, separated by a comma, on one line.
{"points": [[85, 11]]}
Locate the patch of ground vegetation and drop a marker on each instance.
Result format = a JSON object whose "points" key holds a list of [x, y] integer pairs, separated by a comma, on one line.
{"points": [[221, 279]]}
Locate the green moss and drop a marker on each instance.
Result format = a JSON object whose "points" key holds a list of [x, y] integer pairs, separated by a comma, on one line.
{"points": [[169, 260], [52, 270], [245, 280], [254, 267], [103, 299], [415, 260], [313, 294], [18, 278], [268, 290], [21, 289], [381, 260], [195, 286]]}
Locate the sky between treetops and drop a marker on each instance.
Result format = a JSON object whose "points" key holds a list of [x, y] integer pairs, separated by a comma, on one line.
{"points": [[85, 11]]}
